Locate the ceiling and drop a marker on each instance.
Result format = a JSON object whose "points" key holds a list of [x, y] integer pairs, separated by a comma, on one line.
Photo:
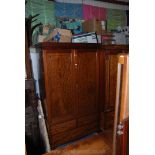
{"points": [[122, 2]]}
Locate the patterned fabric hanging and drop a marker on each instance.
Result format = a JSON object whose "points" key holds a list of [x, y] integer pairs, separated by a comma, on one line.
{"points": [[116, 18], [46, 9], [68, 10], [90, 12]]}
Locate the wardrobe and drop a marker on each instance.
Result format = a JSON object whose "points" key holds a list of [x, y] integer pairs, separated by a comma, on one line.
{"points": [[77, 88]]}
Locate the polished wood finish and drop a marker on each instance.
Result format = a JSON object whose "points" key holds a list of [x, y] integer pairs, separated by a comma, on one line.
{"points": [[71, 80], [54, 45], [73, 134], [87, 119], [124, 111], [115, 49], [62, 127], [110, 59], [112, 79], [59, 82], [108, 120], [75, 80], [87, 82], [121, 135], [122, 145], [123, 140], [110, 89]]}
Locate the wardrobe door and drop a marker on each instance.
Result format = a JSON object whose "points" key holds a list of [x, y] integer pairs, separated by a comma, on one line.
{"points": [[87, 82], [59, 84], [113, 79], [111, 61], [121, 125]]}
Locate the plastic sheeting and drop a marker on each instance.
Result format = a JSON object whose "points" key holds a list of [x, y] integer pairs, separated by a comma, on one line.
{"points": [[115, 18], [68, 10], [45, 8], [90, 12], [75, 25]]}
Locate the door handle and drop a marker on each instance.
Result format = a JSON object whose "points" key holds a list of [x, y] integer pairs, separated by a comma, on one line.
{"points": [[119, 129], [119, 132], [120, 126], [76, 65]]}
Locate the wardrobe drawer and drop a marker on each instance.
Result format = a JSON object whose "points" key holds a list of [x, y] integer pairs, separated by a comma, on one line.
{"points": [[88, 119], [62, 127], [74, 134]]}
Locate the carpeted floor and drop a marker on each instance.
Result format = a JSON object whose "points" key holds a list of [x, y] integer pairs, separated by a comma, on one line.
{"points": [[97, 144]]}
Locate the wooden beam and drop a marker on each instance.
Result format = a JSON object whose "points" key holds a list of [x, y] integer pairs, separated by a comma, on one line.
{"points": [[115, 2], [110, 1]]}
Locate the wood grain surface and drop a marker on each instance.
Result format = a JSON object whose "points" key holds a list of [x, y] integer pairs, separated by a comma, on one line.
{"points": [[75, 101], [59, 86], [87, 80], [97, 144]]}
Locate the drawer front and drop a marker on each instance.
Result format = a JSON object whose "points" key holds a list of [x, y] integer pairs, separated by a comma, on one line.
{"points": [[87, 120], [62, 127], [74, 134]]}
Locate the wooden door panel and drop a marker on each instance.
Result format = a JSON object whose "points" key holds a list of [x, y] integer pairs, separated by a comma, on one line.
{"points": [[110, 89], [107, 64], [124, 110], [121, 124], [87, 79], [112, 79], [59, 85]]}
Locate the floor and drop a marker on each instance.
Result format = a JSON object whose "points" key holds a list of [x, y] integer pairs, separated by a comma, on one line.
{"points": [[97, 144]]}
